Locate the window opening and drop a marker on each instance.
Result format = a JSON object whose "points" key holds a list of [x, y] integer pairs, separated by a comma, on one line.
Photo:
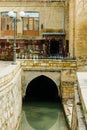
{"points": [[31, 21], [6, 22]]}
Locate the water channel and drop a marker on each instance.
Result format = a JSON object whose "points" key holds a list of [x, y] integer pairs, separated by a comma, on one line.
{"points": [[42, 108], [43, 116]]}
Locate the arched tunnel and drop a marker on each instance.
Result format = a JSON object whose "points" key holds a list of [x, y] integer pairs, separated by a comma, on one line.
{"points": [[42, 88]]}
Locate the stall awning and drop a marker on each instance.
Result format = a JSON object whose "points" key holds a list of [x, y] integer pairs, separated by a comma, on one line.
{"points": [[52, 33]]}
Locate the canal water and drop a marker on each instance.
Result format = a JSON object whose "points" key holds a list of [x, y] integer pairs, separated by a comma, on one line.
{"points": [[43, 116]]}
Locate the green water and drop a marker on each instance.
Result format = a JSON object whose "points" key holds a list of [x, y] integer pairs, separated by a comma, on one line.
{"points": [[43, 116]]}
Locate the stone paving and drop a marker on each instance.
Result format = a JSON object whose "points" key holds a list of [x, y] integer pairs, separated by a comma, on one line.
{"points": [[4, 64]]}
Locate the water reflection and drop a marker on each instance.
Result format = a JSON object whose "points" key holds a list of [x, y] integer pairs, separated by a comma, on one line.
{"points": [[43, 116]]}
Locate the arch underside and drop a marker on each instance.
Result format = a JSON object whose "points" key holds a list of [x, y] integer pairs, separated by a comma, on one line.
{"points": [[29, 76], [42, 88]]}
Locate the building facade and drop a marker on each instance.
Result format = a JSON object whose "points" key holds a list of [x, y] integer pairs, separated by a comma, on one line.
{"points": [[41, 28], [44, 28]]}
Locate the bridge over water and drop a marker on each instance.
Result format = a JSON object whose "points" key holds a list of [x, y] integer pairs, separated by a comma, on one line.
{"points": [[48, 68]]}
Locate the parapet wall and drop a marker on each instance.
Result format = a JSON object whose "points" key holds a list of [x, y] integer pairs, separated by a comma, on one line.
{"points": [[10, 98]]}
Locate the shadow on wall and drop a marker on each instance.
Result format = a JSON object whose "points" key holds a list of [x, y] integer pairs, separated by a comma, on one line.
{"points": [[41, 88]]}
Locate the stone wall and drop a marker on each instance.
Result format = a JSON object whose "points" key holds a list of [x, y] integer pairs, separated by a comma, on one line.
{"points": [[48, 64], [68, 77], [78, 27], [66, 20], [72, 28], [81, 28], [82, 64], [10, 98]]}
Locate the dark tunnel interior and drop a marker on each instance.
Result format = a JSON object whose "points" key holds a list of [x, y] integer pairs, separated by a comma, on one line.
{"points": [[42, 88]]}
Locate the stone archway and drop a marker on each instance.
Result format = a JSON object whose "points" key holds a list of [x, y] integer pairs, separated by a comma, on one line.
{"points": [[42, 88]]}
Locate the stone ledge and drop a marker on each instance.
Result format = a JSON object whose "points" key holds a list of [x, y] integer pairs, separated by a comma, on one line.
{"points": [[8, 74], [82, 88], [79, 112], [68, 108]]}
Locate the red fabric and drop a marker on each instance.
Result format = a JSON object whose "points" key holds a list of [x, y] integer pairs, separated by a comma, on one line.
{"points": [[0, 50], [7, 44]]}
